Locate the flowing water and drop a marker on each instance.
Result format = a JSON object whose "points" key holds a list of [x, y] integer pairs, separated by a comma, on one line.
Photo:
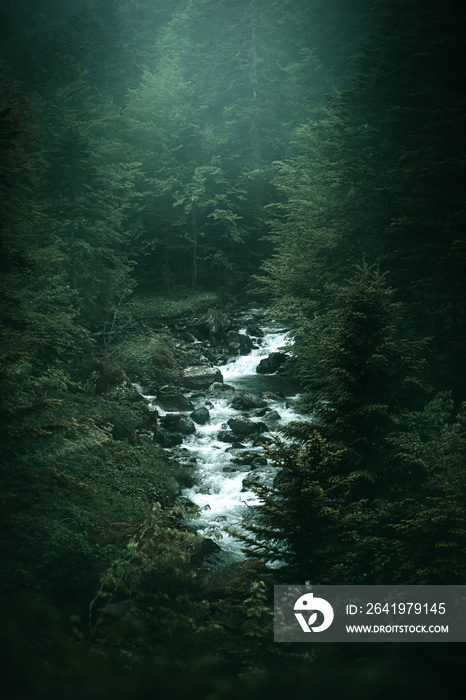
{"points": [[219, 488], [224, 500]]}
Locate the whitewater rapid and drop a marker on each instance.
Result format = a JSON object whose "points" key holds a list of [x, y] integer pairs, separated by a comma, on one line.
{"points": [[219, 490]]}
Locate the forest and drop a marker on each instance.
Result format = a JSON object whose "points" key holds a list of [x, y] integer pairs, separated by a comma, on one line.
{"points": [[163, 160]]}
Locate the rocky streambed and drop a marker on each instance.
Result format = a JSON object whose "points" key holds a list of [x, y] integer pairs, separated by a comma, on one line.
{"points": [[216, 419]]}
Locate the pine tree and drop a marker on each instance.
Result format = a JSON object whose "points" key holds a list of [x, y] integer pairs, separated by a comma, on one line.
{"points": [[325, 509], [368, 374], [228, 114], [296, 523], [380, 175], [88, 189], [425, 528]]}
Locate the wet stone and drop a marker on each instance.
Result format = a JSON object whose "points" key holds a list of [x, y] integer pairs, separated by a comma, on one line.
{"points": [[243, 426], [200, 415], [165, 438], [245, 458], [201, 377], [250, 481], [273, 416], [245, 400], [220, 387], [255, 331], [226, 436], [259, 462], [173, 401], [175, 422]]}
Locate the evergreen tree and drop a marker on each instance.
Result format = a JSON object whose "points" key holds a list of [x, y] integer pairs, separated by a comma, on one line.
{"points": [[340, 473], [424, 528], [382, 177], [88, 189], [367, 375], [228, 113], [38, 329]]}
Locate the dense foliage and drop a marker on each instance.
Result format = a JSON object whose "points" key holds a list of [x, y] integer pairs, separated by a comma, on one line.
{"points": [[310, 151]]}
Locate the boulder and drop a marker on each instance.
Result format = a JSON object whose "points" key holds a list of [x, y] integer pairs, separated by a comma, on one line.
{"points": [[259, 462], [170, 421], [200, 415], [272, 363], [176, 423], [245, 459], [255, 331], [241, 426], [226, 436], [209, 546], [239, 342], [245, 400], [152, 417], [220, 387], [165, 438], [201, 377], [173, 400], [250, 481], [272, 417], [206, 548], [244, 426], [250, 459], [186, 426]]}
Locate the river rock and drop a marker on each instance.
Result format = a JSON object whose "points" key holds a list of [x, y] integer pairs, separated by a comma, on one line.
{"points": [[165, 438], [272, 417], [201, 377], [226, 436], [173, 400], [250, 481], [200, 415], [259, 462], [245, 426], [220, 387], [176, 423], [186, 426], [239, 342], [170, 421], [245, 400], [272, 363], [206, 548], [245, 459], [255, 331], [250, 459]]}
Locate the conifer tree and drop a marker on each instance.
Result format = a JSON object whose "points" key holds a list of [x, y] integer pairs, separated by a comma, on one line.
{"points": [[227, 113], [381, 174], [368, 375], [340, 472], [88, 188]]}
